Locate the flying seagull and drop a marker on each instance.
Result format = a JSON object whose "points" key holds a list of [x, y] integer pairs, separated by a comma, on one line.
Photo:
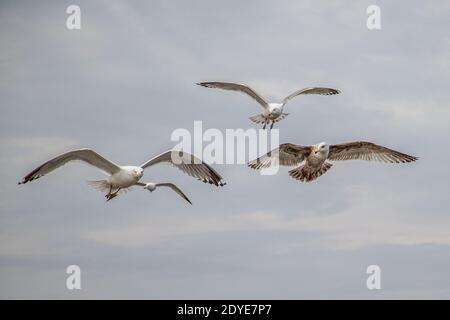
{"points": [[311, 160], [273, 111], [125, 177]]}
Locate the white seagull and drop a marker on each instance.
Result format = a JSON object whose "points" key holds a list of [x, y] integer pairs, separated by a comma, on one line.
{"points": [[273, 111], [311, 160], [125, 177]]}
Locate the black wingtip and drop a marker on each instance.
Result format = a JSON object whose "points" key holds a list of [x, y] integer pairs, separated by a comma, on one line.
{"points": [[254, 165]]}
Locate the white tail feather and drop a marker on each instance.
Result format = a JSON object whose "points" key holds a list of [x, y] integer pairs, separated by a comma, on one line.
{"points": [[281, 117], [259, 119], [100, 185]]}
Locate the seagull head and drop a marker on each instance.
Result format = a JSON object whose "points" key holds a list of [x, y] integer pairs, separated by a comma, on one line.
{"points": [[138, 172], [275, 109], [276, 112], [150, 186], [322, 148]]}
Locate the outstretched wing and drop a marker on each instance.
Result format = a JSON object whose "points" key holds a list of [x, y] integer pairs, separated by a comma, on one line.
{"points": [[236, 87], [313, 90], [189, 164], [174, 188], [367, 151], [287, 154], [87, 155]]}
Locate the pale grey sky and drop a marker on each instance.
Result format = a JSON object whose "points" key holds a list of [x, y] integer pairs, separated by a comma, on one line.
{"points": [[260, 236]]}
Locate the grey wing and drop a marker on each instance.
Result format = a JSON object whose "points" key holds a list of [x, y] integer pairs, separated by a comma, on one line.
{"points": [[236, 87], [174, 188], [287, 154], [87, 155], [367, 151], [313, 90], [189, 164]]}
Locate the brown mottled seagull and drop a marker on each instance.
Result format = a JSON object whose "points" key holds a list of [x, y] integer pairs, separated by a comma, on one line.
{"points": [[273, 111], [125, 177], [311, 161]]}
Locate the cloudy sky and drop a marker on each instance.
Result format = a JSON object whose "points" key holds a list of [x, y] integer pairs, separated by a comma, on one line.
{"points": [[126, 80]]}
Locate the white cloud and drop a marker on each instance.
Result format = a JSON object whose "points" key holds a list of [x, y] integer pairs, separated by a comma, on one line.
{"points": [[374, 218]]}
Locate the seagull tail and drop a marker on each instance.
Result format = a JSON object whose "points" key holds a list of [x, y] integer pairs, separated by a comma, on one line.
{"points": [[259, 119], [306, 173], [281, 117], [100, 185]]}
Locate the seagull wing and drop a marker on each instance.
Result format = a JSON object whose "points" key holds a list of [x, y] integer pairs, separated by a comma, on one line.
{"points": [[313, 90], [367, 151], [189, 164], [287, 154], [236, 87], [87, 155], [174, 188]]}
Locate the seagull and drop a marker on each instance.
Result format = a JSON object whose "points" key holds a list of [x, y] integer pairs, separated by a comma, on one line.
{"points": [[311, 160], [125, 177], [273, 111]]}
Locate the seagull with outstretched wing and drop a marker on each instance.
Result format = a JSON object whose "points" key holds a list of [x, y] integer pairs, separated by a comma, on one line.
{"points": [[121, 178], [272, 111], [311, 161]]}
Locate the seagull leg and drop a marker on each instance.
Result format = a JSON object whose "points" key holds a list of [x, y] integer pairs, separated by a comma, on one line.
{"points": [[112, 195], [265, 123], [271, 126], [109, 192]]}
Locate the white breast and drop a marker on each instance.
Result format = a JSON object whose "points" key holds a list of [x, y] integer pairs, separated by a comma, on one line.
{"points": [[124, 178]]}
